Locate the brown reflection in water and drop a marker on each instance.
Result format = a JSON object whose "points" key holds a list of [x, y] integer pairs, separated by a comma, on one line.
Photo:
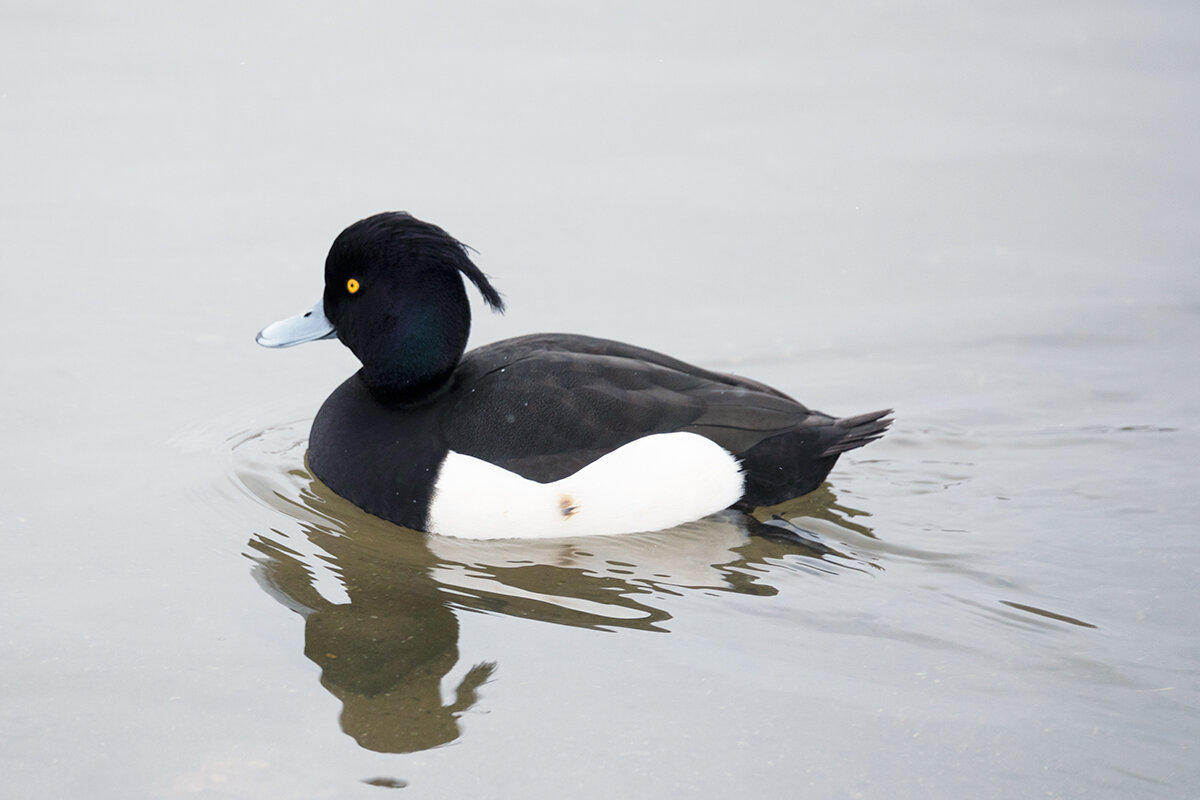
{"points": [[1041, 612], [385, 653]]}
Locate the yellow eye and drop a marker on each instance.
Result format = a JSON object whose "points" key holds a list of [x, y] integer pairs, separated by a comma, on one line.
{"points": [[352, 286]]}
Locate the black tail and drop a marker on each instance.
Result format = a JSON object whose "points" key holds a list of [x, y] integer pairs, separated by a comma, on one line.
{"points": [[858, 430]]}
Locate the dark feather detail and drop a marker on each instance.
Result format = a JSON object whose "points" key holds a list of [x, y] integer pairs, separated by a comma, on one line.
{"points": [[545, 406], [421, 243], [455, 253], [859, 430], [467, 267]]}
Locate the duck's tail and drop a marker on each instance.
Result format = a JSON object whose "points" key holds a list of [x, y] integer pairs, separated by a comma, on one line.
{"points": [[859, 430]]}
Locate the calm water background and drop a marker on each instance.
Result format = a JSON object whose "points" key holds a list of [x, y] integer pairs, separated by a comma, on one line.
{"points": [[986, 215]]}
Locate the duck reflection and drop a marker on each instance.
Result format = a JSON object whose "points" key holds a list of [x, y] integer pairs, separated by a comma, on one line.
{"points": [[385, 652], [386, 647]]}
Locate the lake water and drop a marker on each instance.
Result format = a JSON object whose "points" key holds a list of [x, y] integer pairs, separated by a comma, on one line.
{"points": [[986, 216]]}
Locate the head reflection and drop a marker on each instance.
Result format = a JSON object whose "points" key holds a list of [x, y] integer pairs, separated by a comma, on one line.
{"points": [[386, 648], [385, 653]]}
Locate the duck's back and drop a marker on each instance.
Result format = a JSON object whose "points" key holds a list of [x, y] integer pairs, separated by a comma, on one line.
{"points": [[546, 405]]}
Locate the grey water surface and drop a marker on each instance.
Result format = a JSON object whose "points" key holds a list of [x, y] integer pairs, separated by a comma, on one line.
{"points": [[986, 215]]}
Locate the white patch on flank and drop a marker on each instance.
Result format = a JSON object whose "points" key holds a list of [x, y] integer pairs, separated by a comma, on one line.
{"points": [[650, 484]]}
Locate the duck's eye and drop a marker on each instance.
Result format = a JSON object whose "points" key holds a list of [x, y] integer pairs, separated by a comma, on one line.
{"points": [[352, 286]]}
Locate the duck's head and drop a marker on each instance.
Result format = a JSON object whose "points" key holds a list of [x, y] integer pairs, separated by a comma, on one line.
{"points": [[394, 295]]}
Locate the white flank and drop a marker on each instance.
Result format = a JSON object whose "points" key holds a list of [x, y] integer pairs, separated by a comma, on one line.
{"points": [[650, 484]]}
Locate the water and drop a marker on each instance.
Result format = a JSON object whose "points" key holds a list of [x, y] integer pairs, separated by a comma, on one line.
{"points": [[985, 217]]}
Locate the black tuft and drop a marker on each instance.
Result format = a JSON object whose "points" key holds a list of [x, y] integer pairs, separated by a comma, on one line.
{"points": [[403, 231], [476, 276]]}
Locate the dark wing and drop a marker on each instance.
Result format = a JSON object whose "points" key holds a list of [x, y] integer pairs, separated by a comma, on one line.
{"points": [[545, 406]]}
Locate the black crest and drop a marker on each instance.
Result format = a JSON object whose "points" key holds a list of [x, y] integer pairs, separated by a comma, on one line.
{"points": [[421, 242]]}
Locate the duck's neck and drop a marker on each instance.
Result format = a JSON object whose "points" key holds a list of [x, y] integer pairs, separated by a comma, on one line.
{"points": [[414, 359], [413, 391]]}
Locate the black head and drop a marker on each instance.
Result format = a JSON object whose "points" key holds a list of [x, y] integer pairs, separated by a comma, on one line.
{"points": [[394, 292]]}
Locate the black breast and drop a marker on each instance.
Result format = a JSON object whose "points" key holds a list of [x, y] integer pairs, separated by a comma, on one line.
{"points": [[383, 459]]}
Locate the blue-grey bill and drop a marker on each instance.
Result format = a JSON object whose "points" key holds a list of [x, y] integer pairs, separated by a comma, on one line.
{"points": [[306, 327]]}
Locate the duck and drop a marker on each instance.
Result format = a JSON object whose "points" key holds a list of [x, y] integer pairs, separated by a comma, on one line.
{"points": [[540, 436]]}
